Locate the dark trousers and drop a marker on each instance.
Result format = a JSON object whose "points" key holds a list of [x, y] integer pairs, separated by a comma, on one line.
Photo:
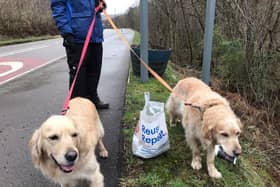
{"points": [[89, 74]]}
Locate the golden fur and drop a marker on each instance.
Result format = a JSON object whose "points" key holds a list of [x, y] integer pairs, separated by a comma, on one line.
{"points": [[79, 131], [215, 124]]}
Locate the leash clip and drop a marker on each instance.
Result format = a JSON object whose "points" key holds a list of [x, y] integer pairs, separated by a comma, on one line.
{"points": [[97, 8], [63, 111]]}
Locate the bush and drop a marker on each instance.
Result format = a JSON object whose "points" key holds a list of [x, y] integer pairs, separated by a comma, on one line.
{"points": [[257, 81], [264, 79], [229, 61], [20, 18]]}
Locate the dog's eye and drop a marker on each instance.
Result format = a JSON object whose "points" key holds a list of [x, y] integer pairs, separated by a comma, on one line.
{"points": [[238, 133], [54, 137], [74, 135], [225, 134]]}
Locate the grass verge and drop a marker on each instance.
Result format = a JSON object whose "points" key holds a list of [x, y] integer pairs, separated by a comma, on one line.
{"points": [[8, 41], [173, 167], [136, 39]]}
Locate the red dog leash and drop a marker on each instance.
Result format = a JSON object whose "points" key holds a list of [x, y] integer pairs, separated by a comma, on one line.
{"points": [[66, 103]]}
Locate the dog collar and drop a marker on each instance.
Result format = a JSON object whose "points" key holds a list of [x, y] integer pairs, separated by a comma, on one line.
{"points": [[200, 108]]}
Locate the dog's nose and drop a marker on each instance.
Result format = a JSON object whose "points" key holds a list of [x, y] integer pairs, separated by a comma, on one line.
{"points": [[237, 152], [71, 156]]}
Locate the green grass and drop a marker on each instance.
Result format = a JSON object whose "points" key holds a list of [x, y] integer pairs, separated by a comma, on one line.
{"points": [[173, 167], [136, 40], [24, 40]]}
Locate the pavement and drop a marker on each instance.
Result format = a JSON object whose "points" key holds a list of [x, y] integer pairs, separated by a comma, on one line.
{"points": [[29, 99]]}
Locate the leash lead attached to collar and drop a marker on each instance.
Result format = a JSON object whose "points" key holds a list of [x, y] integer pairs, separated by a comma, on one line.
{"points": [[83, 54], [63, 111]]}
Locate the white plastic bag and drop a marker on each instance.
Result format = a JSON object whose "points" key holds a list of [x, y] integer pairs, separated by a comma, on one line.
{"points": [[151, 136]]}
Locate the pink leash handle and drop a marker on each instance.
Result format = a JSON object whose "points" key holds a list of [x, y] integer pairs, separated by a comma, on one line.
{"points": [[67, 100]]}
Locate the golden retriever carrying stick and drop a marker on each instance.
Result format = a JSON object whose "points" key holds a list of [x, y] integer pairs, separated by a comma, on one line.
{"points": [[63, 147], [207, 119]]}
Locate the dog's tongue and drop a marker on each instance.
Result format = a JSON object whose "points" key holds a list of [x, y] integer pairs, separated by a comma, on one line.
{"points": [[68, 168]]}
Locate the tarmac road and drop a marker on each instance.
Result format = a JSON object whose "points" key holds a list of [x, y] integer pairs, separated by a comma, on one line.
{"points": [[27, 101], [16, 60]]}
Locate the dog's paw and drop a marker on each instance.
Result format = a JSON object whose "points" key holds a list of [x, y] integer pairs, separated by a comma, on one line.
{"points": [[215, 174], [196, 165], [103, 154]]}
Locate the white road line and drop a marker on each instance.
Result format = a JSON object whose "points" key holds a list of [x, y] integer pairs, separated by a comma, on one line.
{"points": [[35, 68], [23, 50], [14, 67]]}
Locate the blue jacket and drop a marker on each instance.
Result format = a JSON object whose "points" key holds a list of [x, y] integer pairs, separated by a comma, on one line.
{"points": [[75, 16]]}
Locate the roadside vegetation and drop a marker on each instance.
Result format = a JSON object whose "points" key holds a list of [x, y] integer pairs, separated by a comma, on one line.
{"points": [[20, 18], [24, 40], [245, 59], [25, 18], [173, 167], [246, 50]]}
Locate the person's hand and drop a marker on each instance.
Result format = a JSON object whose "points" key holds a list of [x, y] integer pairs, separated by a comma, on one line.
{"points": [[102, 5], [68, 39]]}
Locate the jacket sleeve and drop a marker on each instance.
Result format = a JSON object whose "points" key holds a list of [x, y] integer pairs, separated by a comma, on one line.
{"points": [[61, 13]]}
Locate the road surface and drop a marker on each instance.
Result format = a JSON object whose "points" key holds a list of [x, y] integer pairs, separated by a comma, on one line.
{"points": [[26, 101], [16, 60]]}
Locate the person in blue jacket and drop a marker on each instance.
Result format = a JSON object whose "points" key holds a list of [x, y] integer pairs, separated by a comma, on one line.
{"points": [[73, 18]]}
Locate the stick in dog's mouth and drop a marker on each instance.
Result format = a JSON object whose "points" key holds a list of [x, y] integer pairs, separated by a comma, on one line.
{"points": [[219, 152]]}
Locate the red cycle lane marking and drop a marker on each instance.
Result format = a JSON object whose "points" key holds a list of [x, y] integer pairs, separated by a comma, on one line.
{"points": [[4, 68], [27, 65], [14, 66]]}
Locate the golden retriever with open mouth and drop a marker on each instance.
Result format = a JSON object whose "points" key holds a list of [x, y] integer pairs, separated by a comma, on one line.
{"points": [[207, 119], [63, 147]]}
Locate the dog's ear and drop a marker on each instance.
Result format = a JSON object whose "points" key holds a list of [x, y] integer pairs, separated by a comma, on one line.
{"points": [[34, 147], [209, 136], [239, 123], [209, 132]]}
